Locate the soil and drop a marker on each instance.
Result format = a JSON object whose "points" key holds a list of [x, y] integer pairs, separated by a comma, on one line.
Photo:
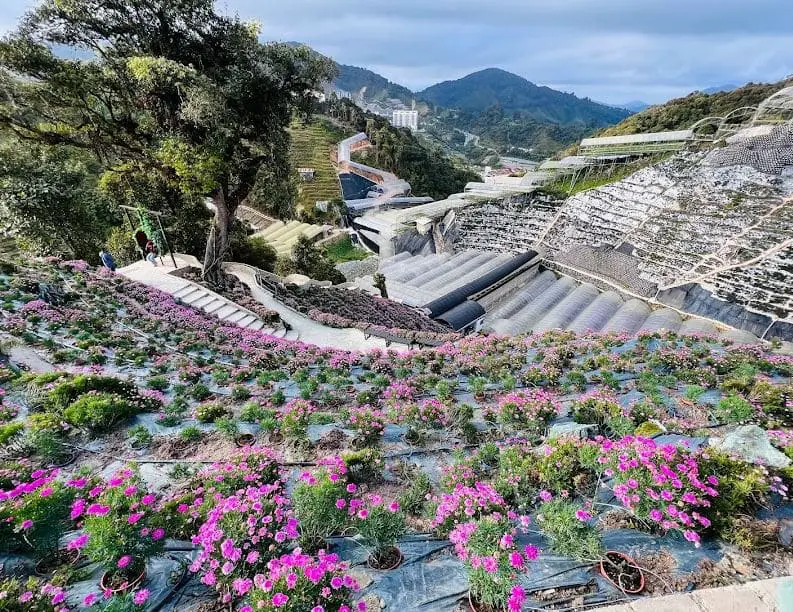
{"points": [[210, 446], [335, 439], [659, 575], [387, 561], [622, 573], [616, 519], [565, 598], [52, 562]]}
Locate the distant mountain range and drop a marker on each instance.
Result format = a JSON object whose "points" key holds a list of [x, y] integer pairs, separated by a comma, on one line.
{"points": [[352, 79]]}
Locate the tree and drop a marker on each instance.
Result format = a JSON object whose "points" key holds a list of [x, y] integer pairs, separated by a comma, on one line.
{"points": [[379, 284], [308, 260], [49, 201], [169, 87]]}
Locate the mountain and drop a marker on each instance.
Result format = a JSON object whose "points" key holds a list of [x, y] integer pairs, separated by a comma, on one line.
{"points": [[682, 113], [635, 106], [721, 89], [494, 87], [353, 79]]}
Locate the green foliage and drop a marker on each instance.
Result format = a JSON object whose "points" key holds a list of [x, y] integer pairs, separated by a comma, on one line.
{"points": [[191, 433], [343, 250], [98, 412], [308, 260], [381, 529], [315, 508], [682, 113], [363, 466], [227, 426], [10, 430], [12, 590], [733, 409], [566, 534], [199, 392], [209, 413], [414, 498], [253, 251], [139, 436]]}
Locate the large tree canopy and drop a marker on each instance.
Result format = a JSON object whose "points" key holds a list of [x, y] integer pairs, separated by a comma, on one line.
{"points": [[161, 86]]}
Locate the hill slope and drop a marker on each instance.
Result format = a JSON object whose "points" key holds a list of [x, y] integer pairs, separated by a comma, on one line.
{"points": [[681, 113], [353, 79], [495, 87]]}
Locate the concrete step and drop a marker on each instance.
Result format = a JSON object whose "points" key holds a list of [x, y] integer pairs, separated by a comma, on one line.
{"points": [[292, 334], [184, 290], [190, 294], [257, 325], [246, 321], [235, 317], [279, 333], [204, 301], [269, 330], [214, 306], [227, 310]]}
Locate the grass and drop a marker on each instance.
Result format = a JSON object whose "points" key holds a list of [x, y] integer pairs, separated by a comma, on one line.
{"points": [[345, 251], [312, 145], [597, 179]]}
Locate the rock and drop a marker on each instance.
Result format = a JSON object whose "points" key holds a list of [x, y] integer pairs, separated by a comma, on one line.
{"points": [[750, 442], [785, 535], [572, 430], [361, 577]]}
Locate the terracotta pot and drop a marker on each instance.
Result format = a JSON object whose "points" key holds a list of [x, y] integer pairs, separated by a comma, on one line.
{"points": [[129, 586], [66, 460], [243, 440], [629, 560], [396, 564], [276, 437]]}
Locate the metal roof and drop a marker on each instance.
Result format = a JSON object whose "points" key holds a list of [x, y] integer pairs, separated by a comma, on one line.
{"points": [[458, 296], [462, 315], [603, 141]]}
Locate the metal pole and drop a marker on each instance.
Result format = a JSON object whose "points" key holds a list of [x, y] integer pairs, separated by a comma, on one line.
{"points": [[165, 240], [132, 230]]}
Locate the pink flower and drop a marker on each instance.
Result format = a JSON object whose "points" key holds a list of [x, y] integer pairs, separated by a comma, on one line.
{"points": [[545, 495], [89, 600], [78, 543], [124, 561], [134, 517], [140, 597], [158, 534], [531, 552], [279, 599], [27, 524], [516, 560], [393, 506], [582, 515], [26, 596]]}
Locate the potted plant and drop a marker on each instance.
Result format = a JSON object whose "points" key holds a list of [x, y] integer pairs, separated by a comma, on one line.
{"points": [[122, 531], [297, 582], [320, 501], [380, 526], [622, 571]]}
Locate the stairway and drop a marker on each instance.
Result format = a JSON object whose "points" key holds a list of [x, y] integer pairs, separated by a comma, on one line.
{"points": [[199, 297]]}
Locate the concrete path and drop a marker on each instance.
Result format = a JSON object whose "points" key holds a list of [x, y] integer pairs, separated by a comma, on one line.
{"points": [[310, 331], [195, 295], [774, 595]]}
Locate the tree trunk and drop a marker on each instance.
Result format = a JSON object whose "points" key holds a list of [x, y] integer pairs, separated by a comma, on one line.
{"points": [[218, 240]]}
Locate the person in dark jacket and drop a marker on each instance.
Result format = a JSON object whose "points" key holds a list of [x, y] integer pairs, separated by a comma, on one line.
{"points": [[151, 252], [107, 260]]}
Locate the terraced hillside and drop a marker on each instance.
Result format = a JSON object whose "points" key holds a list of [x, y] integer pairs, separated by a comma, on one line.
{"points": [[312, 145]]}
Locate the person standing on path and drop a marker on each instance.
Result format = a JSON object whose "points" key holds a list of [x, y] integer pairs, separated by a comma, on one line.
{"points": [[107, 260]]}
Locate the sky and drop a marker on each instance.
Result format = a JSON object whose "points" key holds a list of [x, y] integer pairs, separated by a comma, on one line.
{"points": [[612, 51]]}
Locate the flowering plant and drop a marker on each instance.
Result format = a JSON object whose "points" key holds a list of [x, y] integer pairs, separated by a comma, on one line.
{"points": [[294, 417], [531, 409], [32, 595], [120, 523], [369, 422], [431, 413], [660, 483], [321, 501], [596, 406], [35, 514], [565, 525], [491, 555], [380, 524], [241, 533], [465, 503], [300, 583]]}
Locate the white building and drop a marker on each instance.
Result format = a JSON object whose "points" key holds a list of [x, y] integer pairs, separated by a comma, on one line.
{"points": [[406, 118]]}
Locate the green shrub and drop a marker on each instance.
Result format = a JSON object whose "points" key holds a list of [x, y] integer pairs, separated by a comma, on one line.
{"points": [[209, 413], [227, 426], [159, 383], [67, 392], [381, 529], [414, 498], [9, 431], [191, 433], [239, 393], [139, 436], [566, 534], [363, 466], [315, 509], [99, 411], [733, 409]]}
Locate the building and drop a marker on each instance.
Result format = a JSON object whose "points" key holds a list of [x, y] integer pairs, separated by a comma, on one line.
{"points": [[406, 118]]}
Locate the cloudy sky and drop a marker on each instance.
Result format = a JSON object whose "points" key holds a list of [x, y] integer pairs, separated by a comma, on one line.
{"points": [[610, 50]]}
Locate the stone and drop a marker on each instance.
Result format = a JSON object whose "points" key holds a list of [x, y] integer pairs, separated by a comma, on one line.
{"points": [[572, 430], [785, 534], [750, 442]]}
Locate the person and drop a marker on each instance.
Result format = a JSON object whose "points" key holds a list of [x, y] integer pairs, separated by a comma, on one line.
{"points": [[151, 252], [107, 260]]}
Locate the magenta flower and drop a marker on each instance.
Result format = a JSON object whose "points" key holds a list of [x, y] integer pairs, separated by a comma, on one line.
{"points": [[140, 597], [279, 599], [124, 561]]}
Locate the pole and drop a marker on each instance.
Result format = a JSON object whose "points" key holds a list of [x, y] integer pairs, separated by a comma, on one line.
{"points": [[165, 240]]}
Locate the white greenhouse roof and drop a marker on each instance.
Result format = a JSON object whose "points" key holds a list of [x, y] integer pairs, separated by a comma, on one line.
{"points": [[638, 138]]}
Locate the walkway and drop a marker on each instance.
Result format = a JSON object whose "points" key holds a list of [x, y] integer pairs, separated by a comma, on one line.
{"points": [[774, 595], [197, 296], [310, 331]]}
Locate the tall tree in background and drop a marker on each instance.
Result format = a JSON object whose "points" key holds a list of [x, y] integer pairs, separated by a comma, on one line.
{"points": [[167, 86]]}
